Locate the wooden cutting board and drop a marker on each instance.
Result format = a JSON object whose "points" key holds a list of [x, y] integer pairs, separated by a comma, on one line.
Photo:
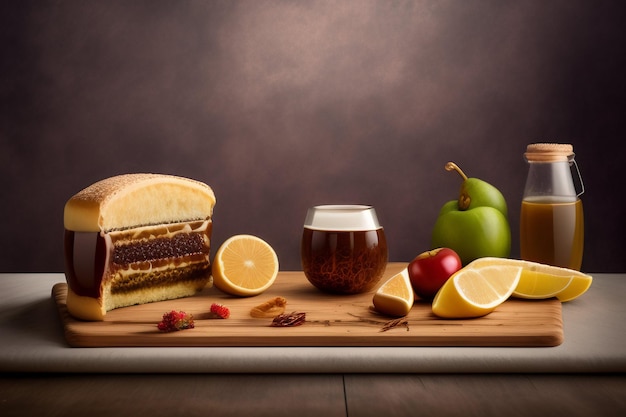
{"points": [[331, 320]]}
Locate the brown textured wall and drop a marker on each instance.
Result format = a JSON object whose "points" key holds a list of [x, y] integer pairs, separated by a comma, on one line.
{"points": [[281, 105]]}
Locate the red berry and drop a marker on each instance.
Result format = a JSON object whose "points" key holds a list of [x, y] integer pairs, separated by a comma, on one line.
{"points": [[220, 310], [176, 320]]}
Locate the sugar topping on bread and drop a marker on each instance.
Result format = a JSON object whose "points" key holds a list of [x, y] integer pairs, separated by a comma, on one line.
{"points": [[133, 200]]}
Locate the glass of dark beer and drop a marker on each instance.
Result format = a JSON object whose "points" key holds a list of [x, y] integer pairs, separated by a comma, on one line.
{"points": [[344, 250]]}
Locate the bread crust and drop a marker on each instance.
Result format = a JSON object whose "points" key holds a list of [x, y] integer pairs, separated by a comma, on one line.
{"points": [[132, 200]]}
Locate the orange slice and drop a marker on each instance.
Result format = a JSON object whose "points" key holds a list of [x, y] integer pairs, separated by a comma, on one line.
{"points": [[244, 265]]}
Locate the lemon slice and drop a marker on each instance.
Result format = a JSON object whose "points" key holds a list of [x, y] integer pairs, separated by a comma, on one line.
{"points": [[576, 288], [395, 297], [244, 265], [475, 291], [540, 281]]}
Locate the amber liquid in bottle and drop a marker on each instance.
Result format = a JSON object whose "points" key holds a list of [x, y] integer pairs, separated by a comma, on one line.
{"points": [[552, 232]]}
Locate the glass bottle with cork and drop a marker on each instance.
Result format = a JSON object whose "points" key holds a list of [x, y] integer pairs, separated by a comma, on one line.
{"points": [[551, 221]]}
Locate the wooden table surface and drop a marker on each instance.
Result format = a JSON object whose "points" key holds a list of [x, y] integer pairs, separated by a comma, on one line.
{"points": [[328, 395], [41, 375]]}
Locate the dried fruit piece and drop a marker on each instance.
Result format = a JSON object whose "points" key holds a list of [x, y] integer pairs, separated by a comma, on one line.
{"points": [[220, 311], [271, 308], [289, 320], [176, 320]]}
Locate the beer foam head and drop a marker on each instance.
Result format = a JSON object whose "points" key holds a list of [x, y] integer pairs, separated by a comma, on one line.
{"points": [[350, 217]]}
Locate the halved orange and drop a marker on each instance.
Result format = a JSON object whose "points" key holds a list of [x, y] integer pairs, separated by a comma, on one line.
{"points": [[244, 265]]}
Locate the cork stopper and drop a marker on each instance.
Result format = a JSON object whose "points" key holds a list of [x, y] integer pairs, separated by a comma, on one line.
{"points": [[549, 152]]}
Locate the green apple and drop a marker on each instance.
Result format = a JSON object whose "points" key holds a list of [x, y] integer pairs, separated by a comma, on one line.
{"points": [[476, 224]]}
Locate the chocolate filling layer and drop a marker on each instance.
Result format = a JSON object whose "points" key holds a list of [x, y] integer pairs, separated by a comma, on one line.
{"points": [[158, 248], [148, 256]]}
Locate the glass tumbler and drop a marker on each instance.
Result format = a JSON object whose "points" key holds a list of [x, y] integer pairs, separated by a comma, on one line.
{"points": [[344, 250]]}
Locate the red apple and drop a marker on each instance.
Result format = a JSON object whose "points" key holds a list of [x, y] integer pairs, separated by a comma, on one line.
{"points": [[430, 270]]}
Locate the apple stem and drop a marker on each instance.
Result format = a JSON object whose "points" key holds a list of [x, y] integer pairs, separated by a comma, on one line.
{"points": [[464, 198], [451, 166]]}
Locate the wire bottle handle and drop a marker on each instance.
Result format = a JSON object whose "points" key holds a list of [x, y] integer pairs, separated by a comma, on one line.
{"points": [[580, 179]]}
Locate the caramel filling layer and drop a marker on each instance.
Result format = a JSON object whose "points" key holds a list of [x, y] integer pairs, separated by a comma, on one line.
{"points": [[136, 258]]}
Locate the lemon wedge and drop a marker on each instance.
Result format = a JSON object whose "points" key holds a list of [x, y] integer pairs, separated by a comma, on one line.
{"points": [[395, 296], [476, 290], [541, 281]]}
